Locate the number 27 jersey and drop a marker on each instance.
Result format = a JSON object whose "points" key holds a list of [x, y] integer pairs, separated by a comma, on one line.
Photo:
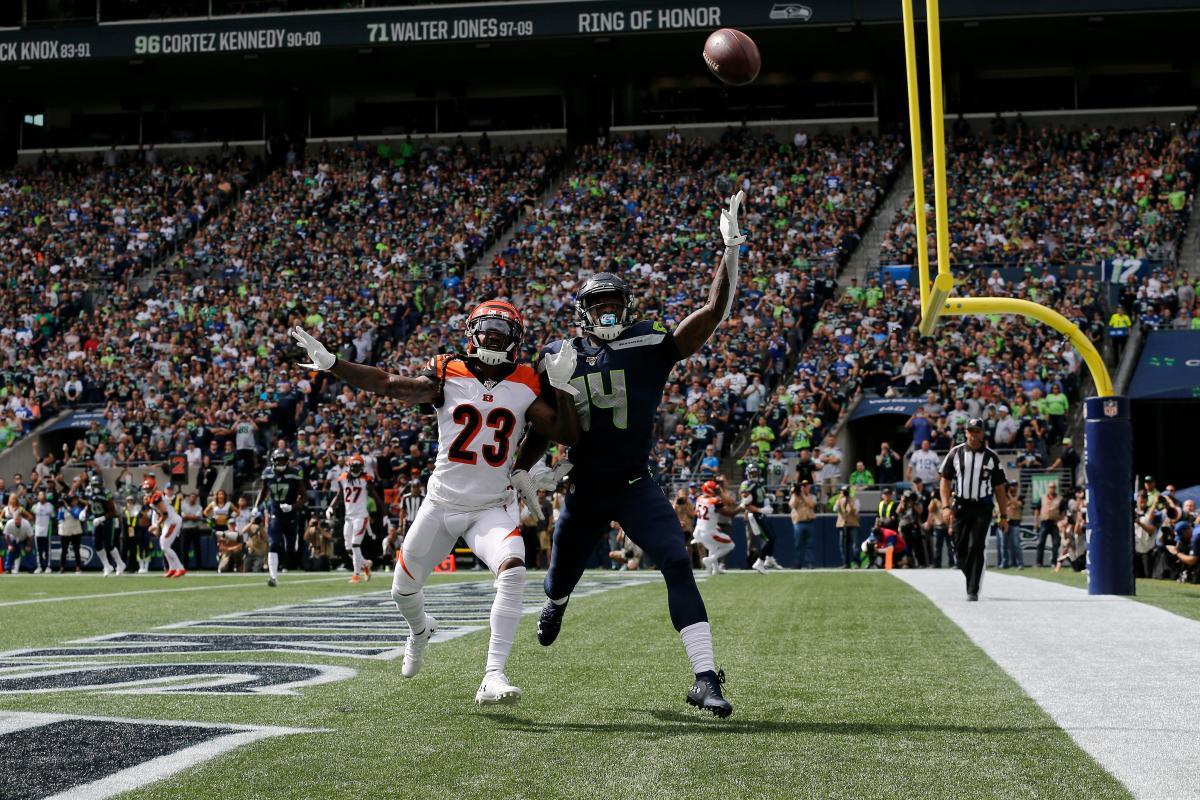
{"points": [[480, 424]]}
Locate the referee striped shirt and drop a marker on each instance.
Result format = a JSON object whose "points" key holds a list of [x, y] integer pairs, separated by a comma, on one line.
{"points": [[974, 473], [411, 502]]}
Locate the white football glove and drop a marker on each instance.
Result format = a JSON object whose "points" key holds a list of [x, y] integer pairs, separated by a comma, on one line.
{"points": [[329, 513], [733, 239], [729, 221], [527, 491], [560, 367], [286, 508], [255, 513], [547, 478], [321, 358]]}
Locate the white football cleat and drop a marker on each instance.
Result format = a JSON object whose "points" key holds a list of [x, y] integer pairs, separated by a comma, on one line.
{"points": [[720, 567], [414, 648], [496, 690], [771, 563], [709, 564], [760, 566]]}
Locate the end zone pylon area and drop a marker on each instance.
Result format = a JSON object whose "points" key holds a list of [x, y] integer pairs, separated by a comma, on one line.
{"points": [[1108, 432]]}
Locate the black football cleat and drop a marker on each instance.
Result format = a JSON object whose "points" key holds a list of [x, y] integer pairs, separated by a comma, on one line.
{"points": [[706, 694], [550, 622]]}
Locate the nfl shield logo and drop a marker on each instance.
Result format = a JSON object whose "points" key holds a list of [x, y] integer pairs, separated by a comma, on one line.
{"points": [[592, 360], [1110, 408]]}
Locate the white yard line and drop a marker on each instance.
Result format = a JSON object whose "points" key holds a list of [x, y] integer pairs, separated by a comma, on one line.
{"points": [[1114, 673], [245, 584]]}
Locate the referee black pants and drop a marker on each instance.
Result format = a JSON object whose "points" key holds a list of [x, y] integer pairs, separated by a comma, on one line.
{"points": [[970, 540]]}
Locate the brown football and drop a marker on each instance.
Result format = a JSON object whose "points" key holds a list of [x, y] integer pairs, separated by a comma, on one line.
{"points": [[732, 56]]}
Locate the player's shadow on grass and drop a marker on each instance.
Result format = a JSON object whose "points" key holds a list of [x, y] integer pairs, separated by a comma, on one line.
{"points": [[670, 723]]}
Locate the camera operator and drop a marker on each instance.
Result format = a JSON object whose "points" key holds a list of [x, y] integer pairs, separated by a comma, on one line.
{"points": [[1154, 532], [1186, 551], [319, 539], [847, 509], [909, 519], [804, 511]]}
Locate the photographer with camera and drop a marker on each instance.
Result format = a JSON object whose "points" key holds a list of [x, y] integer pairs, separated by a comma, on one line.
{"points": [[804, 511], [847, 509]]}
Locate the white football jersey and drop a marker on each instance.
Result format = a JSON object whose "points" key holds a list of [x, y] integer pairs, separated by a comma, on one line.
{"points": [[706, 514], [480, 425], [354, 494]]}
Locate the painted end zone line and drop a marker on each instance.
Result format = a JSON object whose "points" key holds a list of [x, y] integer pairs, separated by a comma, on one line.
{"points": [[243, 585]]}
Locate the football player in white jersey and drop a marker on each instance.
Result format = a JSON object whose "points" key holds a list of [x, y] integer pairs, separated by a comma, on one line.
{"points": [[351, 490], [484, 401], [718, 545], [167, 523]]}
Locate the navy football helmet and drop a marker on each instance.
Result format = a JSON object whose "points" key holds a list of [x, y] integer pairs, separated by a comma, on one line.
{"points": [[598, 290]]}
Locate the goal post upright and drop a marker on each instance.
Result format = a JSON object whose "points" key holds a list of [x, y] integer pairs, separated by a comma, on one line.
{"points": [[1108, 431]]}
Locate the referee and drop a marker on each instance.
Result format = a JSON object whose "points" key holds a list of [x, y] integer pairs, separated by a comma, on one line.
{"points": [[972, 473]]}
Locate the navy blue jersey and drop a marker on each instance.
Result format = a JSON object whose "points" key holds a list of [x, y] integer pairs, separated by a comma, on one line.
{"points": [[283, 487], [620, 387]]}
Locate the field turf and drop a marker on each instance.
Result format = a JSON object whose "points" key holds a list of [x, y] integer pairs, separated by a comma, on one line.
{"points": [[844, 686], [1178, 598]]}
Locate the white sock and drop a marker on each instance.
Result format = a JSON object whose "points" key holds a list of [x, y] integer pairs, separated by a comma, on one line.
{"points": [[273, 565], [412, 608], [356, 554], [506, 613], [120, 562], [103, 556], [697, 641]]}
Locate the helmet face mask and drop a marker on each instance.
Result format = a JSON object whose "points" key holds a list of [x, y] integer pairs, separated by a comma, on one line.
{"points": [[494, 333], [279, 459], [356, 466], [604, 306]]}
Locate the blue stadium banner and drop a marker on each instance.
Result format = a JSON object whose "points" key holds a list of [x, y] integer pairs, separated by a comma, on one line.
{"points": [[483, 22], [872, 406], [76, 420], [1169, 368], [1108, 445]]}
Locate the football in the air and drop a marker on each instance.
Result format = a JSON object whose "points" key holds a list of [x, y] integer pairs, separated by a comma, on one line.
{"points": [[732, 56]]}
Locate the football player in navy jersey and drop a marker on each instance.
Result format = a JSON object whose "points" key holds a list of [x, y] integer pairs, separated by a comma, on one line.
{"points": [[621, 371], [283, 495]]}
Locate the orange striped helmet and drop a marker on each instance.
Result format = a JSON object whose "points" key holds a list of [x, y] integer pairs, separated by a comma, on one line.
{"points": [[710, 488], [498, 323]]}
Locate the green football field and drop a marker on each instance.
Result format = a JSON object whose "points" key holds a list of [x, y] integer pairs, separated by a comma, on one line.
{"points": [[844, 686]]}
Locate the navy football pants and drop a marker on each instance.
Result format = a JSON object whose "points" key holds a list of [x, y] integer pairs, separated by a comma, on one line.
{"points": [[646, 517]]}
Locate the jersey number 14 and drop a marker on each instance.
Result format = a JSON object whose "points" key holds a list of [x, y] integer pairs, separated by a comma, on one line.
{"points": [[592, 394]]}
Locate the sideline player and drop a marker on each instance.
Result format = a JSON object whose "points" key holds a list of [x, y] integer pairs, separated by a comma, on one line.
{"points": [[754, 502], [352, 488], [103, 515], [283, 491], [167, 522], [620, 375], [718, 545], [483, 401]]}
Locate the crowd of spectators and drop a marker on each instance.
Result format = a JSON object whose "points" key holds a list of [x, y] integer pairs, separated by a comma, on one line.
{"points": [[1024, 197], [69, 227], [1034, 201]]}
